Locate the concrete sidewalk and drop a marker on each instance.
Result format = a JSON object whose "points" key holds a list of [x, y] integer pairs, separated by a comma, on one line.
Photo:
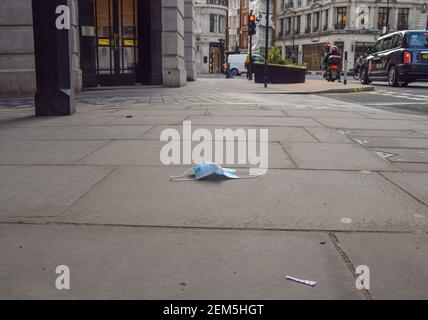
{"points": [[205, 90], [346, 186], [316, 87]]}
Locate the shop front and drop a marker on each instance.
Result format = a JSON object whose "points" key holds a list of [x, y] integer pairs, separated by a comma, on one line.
{"points": [[313, 55]]}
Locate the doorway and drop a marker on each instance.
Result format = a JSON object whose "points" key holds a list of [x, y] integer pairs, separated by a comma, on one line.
{"points": [[313, 55], [109, 42], [215, 60], [117, 41]]}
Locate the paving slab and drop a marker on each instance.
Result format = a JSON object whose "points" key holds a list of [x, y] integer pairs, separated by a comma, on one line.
{"points": [[275, 133], [77, 120], [414, 183], [253, 121], [385, 133], [405, 155], [220, 106], [45, 152], [147, 153], [148, 120], [323, 114], [390, 115], [341, 123], [282, 199], [397, 262], [44, 191], [412, 167], [328, 135], [171, 264], [74, 133], [246, 113], [335, 156], [379, 142], [144, 112]]}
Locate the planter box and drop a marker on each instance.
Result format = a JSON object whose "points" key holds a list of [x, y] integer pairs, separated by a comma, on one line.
{"points": [[279, 74]]}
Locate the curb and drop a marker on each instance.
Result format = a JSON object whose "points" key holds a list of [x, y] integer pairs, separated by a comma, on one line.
{"points": [[326, 91]]}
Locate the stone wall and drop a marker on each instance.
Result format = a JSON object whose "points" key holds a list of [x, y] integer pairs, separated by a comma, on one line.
{"points": [[17, 66], [190, 39], [173, 61]]}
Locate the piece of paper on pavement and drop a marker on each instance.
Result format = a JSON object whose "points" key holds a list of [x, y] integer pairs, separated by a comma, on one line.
{"points": [[307, 282]]}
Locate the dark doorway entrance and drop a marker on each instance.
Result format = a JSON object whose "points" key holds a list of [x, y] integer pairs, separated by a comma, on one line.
{"points": [[116, 41], [109, 42], [120, 42]]}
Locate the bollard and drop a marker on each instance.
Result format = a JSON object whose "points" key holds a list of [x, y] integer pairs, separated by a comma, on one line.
{"points": [[345, 77]]}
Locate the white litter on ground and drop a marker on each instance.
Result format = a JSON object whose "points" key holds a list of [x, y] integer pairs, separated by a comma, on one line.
{"points": [[307, 282]]}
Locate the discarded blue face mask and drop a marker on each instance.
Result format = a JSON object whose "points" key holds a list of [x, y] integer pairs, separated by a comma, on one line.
{"points": [[207, 170]]}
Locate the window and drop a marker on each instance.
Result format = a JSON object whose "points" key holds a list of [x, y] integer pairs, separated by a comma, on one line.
{"points": [[213, 23], [288, 26], [396, 42], [218, 2], [221, 24], [308, 23], [326, 20], [381, 18], [387, 43], [316, 21], [377, 47], [281, 30], [418, 40], [403, 19], [298, 23], [341, 18]]}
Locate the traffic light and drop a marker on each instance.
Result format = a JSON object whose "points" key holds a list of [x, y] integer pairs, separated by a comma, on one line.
{"points": [[252, 25]]}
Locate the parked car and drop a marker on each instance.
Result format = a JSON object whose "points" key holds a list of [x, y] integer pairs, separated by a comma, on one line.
{"points": [[399, 58], [237, 63]]}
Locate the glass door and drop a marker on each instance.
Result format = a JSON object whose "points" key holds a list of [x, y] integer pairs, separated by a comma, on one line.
{"points": [[117, 41]]}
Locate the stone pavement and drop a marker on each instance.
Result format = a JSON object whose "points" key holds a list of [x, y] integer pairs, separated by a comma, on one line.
{"points": [[204, 91], [346, 186]]}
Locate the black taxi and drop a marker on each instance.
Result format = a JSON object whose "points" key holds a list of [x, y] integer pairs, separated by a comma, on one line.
{"points": [[399, 58]]}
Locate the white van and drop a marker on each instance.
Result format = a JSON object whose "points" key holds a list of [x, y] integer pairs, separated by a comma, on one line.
{"points": [[237, 63]]}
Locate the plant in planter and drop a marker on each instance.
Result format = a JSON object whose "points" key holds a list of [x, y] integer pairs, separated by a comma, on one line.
{"points": [[280, 70]]}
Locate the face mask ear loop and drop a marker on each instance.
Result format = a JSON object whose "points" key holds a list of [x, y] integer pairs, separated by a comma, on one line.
{"points": [[181, 177], [249, 176]]}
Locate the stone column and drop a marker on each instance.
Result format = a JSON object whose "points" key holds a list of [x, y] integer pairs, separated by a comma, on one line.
{"points": [[53, 59], [174, 70], [412, 18], [190, 39], [352, 16], [331, 17], [74, 33]]}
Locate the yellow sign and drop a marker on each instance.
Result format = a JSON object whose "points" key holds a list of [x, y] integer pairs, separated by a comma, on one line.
{"points": [[128, 43], [103, 42], [425, 56]]}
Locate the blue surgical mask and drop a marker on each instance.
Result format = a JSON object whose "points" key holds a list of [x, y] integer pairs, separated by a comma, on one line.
{"points": [[207, 170]]}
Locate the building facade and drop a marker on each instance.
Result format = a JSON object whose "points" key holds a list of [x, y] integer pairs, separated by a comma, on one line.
{"points": [[114, 42], [259, 8], [234, 26], [306, 26], [211, 20], [244, 15]]}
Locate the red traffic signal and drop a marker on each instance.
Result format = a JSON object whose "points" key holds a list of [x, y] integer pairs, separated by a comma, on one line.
{"points": [[252, 25]]}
